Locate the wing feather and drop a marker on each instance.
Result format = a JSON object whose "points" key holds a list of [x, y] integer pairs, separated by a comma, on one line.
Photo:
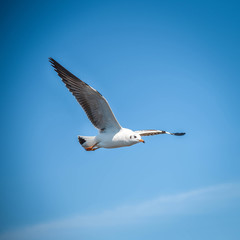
{"points": [[156, 132], [93, 103]]}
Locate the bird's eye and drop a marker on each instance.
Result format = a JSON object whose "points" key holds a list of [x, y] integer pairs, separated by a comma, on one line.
{"points": [[135, 136]]}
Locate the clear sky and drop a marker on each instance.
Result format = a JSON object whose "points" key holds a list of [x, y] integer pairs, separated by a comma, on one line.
{"points": [[167, 65]]}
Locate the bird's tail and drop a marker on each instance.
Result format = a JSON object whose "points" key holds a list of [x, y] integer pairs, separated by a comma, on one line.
{"points": [[87, 142]]}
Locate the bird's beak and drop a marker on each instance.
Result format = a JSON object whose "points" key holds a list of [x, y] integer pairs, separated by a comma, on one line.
{"points": [[141, 141]]}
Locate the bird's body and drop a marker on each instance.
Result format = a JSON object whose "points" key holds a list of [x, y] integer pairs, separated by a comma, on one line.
{"points": [[112, 139], [111, 134]]}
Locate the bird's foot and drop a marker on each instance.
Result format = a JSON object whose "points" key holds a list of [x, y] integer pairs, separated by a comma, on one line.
{"points": [[91, 148]]}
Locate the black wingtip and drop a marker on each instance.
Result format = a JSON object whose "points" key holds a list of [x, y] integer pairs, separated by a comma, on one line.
{"points": [[51, 60], [179, 134]]}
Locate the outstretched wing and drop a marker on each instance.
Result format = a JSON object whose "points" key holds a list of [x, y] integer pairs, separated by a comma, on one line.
{"points": [[94, 104], [156, 132]]}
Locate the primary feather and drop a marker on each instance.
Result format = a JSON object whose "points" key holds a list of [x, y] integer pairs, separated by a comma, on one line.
{"points": [[93, 103]]}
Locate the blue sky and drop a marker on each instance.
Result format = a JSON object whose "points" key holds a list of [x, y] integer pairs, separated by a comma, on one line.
{"points": [[171, 66]]}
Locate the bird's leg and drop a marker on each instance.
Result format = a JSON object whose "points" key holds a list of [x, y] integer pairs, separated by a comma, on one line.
{"points": [[95, 148], [92, 148]]}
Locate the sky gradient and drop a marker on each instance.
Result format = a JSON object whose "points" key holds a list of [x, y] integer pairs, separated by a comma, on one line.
{"points": [[170, 66]]}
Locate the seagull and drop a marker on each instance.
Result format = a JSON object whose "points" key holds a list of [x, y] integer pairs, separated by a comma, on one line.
{"points": [[111, 134]]}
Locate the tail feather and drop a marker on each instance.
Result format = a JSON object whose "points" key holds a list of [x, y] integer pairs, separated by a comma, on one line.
{"points": [[86, 141], [81, 140]]}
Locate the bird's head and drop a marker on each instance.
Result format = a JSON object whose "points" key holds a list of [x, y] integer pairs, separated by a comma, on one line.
{"points": [[135, 138]]}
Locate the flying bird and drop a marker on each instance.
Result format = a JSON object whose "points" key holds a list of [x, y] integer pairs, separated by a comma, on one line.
{"points": [[111, 134]]}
